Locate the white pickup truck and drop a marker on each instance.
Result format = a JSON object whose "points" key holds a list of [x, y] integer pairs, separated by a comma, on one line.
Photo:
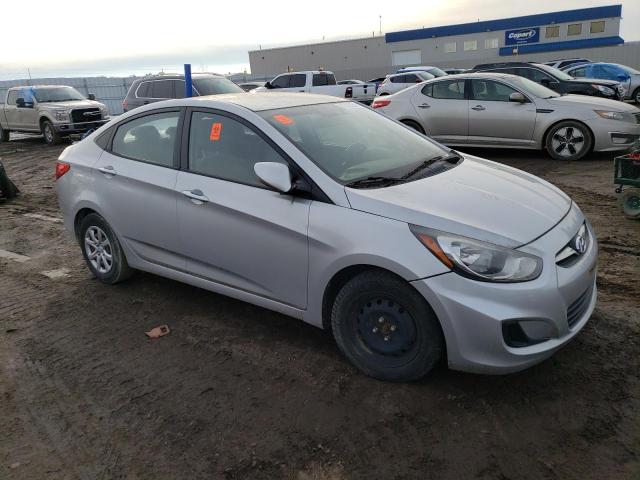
{"points": [[321, 82]]}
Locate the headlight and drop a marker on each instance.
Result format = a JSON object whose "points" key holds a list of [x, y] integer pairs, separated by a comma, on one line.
{"points": [[479, 260], [61, 115], [104, 111], [622, 116], [603, 89]]}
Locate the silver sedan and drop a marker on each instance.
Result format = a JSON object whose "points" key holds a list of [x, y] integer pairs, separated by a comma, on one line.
{"points": [[501, 110]]}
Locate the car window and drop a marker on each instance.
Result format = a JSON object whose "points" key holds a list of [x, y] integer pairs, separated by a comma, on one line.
{"points": [[12, 97], [151, 138], [580, 72], [321, 79], [533, 74], [179, 88], [298, 80], [162, 89], [398, 79], [281, 82], [143, 90], [450, 90], [27, 94], [490, 91], [224, 148]]}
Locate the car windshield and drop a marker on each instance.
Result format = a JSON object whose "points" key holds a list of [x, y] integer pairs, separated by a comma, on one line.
{"points": [[57, 94], [215, 86], [555, 72], [629, 70], [436, 72], [351, 142], [532, 88]]}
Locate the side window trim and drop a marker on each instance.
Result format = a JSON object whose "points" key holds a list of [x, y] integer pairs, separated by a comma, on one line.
{"points": [[316, 192], [176, 148]]}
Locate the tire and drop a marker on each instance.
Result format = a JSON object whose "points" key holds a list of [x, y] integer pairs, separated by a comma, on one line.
{"points": [[51, 137], [98, 241], [384, 94], [629, 201], [636, 95], [386, 328], [569, 141], [416, 126], [4, 135]]}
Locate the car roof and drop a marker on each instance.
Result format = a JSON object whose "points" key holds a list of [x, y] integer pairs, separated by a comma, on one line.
{"points": [[263, 100], [176, 76]]}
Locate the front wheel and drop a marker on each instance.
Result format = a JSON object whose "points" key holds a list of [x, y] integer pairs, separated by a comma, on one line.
{"points": [[102, 251], [629, 201], [569, 140], [50, 135], [386, 328], [636, 96]]}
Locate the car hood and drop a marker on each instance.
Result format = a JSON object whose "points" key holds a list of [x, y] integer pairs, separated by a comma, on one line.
{"points": [[591, 102], [71, 104], [477, 198]]}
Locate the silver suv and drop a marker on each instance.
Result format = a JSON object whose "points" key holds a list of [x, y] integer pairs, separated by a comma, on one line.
{"points": [[155, 88]]}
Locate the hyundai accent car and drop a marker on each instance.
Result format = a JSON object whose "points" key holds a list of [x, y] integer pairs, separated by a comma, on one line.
{"points": [[500, 110], [324, 210]]}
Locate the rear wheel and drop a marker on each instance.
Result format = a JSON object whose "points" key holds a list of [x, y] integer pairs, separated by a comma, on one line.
{"points": [[636, 95], [383, 94], [50, 135], [102, 251], [386, 328], [569, 140], [415, 125], [630, 202], [4, 135]]}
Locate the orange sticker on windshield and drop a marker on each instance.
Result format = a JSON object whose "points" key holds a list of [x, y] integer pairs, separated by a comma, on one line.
{"points": [[216, 130], [283, 119]]}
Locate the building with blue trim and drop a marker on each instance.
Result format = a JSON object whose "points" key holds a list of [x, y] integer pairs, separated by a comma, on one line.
{"points": [[587, 32]]}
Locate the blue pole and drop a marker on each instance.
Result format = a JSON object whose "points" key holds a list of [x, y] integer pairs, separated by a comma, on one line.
{"points": [[188, 85]]}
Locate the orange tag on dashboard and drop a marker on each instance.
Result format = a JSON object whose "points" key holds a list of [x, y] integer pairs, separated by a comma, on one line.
{"points": [[216, 130], [283, 119]]}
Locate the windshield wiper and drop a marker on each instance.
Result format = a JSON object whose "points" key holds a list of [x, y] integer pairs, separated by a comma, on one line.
{"points": [[451, 158], [371, 181]]}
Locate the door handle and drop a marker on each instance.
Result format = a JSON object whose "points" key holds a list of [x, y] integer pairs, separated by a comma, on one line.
{"points": [[108, 170], [196, 196], [478, 108], [424, 105]]}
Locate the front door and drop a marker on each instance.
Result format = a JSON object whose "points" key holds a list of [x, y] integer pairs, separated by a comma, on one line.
{"points": [[135, 180], [233, 230], [444, 111], [495, 120]]}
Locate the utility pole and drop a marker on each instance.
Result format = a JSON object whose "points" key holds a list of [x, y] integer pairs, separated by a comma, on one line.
{"points": [[380, 20]]}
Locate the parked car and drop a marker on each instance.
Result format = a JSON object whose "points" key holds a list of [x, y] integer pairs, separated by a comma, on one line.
{"points": [[627, 76], [435, 71], [249, 86], [567, 62], [501, 110], [557, 80], [321, 82], [154, 88], [56, 111], [322, 209], [350, 82], [455, 71], [399, 81]]}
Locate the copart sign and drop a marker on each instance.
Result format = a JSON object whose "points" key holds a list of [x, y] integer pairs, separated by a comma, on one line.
{"points": [[522, 36]]}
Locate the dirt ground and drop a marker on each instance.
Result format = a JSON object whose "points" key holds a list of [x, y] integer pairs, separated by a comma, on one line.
{"points": [[238, 392]]}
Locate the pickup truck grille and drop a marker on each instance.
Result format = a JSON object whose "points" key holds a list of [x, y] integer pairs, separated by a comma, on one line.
{"points": [[82, 115]]}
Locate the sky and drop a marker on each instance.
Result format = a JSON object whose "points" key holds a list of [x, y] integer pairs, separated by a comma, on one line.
{"points": [[134, 37]]}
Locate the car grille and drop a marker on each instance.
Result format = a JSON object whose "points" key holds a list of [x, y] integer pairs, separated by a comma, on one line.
{"points": [[578, 307], [570, 253], [82, 115]]}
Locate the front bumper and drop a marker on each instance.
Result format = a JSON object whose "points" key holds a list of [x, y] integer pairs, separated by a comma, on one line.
{"points": [[474, 314], [614, 135], [77, 128]]}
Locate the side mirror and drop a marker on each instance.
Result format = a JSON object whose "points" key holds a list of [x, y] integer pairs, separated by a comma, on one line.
{"points": [[517, 97], [91, 96], [274, 175], [545, 81], [20, 102], [268, 85]]}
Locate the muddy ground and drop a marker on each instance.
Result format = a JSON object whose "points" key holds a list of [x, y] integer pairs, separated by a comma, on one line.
{"points": [[238, 392]]}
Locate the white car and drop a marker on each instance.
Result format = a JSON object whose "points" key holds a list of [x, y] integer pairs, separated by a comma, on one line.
{"points": [[399, 81], [501, 110], [321, 82]]}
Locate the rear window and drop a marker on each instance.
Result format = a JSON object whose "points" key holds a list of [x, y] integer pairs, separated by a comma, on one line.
{"points": [[215, 86]]}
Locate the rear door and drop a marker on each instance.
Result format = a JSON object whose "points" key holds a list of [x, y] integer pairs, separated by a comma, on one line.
{"points": [[135, 179], [233, 230], [494, 120], [444, 110]]}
